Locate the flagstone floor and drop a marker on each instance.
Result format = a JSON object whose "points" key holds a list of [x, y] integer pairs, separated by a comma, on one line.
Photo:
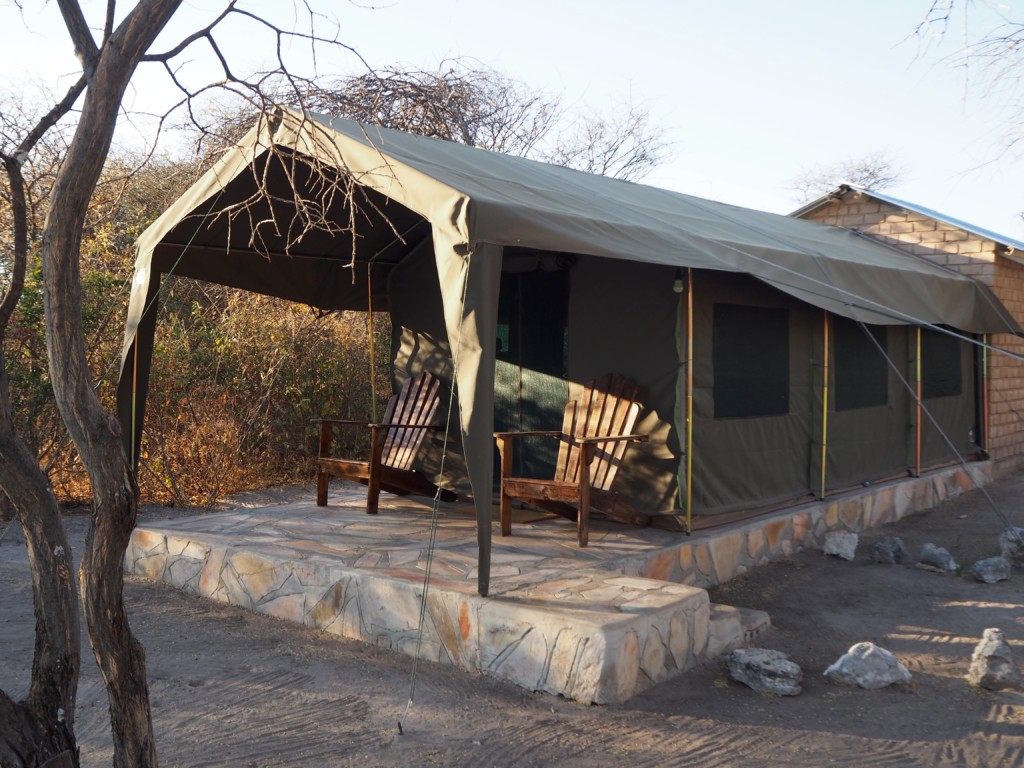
{"points": [[597, 624]]}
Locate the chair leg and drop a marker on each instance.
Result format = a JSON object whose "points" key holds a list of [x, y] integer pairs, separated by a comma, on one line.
{"points": [[583, 518], [322, 480], [377, 435], [506, 513], [373, 498]]}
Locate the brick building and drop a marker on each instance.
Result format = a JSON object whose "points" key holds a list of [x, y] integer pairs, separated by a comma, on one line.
{"points": [[993, 259]]}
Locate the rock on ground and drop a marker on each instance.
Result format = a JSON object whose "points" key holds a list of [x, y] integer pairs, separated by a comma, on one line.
{"points": [[992, 665], [937, 557], [990, 570], [1011, 543], [889, 549], [869, 666], [765, 670], [841, 543]]}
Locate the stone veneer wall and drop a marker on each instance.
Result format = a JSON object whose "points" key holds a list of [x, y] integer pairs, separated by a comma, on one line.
{"points": [[715, 559], [972, 255], [594, 634]]}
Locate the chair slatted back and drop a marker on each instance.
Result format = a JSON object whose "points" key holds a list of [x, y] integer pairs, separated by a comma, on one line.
{"points": [[414, 405], [607, 407]]}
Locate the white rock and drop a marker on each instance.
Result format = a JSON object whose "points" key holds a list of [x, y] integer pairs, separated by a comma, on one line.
{"points": [[869, 666], [841, 544], [992, 665]]}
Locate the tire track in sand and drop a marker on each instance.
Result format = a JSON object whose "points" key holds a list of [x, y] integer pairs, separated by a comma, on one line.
{"points": [[256, 716]]}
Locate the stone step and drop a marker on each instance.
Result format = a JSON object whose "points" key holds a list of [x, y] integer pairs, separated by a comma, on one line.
{"points": [[593, 635], [732, 627]]}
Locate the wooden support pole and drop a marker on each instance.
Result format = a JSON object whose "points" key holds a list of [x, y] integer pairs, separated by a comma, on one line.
{"points": [[983, 440], [917, 425], [689, 399], [824, 408]]}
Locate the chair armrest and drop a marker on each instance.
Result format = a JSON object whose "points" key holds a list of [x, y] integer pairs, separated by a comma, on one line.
{"points": [[342, 422], [372, 424], [543, 433], [610, 439]]}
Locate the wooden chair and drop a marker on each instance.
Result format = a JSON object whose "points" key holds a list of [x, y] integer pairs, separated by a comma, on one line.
{"points": [[596, 431], [394, 443]]}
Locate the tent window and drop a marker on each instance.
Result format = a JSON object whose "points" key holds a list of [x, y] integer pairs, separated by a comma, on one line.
{"points": [[750, 355], [530, 373], [862, 375], [940, 365]]}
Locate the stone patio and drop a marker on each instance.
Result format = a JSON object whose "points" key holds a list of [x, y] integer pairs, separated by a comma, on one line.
{"points": [[599, 624]]}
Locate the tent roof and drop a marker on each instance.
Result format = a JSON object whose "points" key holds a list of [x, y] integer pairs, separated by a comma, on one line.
{"points": [[243, 225], [475, 196]]}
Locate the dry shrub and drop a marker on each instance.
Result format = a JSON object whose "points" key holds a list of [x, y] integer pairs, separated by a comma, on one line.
{"points": [[237, 381], [237, 378]]}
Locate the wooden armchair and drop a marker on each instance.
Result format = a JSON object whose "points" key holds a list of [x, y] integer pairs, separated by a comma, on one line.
{"points": [[394, 443], [596, 431]]}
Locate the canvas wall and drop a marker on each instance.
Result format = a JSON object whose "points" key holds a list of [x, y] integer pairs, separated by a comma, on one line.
{"points": [[759, 379]]}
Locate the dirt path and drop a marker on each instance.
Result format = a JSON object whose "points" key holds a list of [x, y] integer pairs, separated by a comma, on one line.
{"points": [[231, 688]]}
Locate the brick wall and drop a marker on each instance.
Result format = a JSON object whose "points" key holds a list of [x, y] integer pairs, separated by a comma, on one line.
{"points": [[916, 233], [972, 255], [1006, 375]]}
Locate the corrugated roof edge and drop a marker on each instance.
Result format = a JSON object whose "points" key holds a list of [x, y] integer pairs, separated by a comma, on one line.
{"points": [[843, 189]]}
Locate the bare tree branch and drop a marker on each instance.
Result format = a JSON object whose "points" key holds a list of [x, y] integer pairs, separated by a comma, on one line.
{"points": [[81, 36], [19, 216], [50, 119], [876, 171]]}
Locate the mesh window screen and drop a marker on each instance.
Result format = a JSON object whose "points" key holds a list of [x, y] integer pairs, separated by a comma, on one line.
{"points": [[862, 374], [530, 372], [750, 355], [941, 375]]}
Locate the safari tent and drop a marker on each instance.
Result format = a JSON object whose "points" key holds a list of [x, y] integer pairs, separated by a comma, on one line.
{"points": [[776, 358]]}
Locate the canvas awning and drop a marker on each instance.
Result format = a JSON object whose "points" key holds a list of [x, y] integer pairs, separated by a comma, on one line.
{"points": [[473, 204]]}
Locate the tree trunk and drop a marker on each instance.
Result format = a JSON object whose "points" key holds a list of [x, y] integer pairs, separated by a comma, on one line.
{"points": [[95, 432], [40, 728]]}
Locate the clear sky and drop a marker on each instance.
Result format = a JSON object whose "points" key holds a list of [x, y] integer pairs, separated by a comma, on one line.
{"points": [[750, 93]]}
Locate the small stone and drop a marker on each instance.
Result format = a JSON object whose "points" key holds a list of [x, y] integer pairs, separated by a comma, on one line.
{"points": [[869, 666], [992, 665], [1011, 543], [990, 570], [937, 557], [889, 549], [765, 670], [841, 544]]}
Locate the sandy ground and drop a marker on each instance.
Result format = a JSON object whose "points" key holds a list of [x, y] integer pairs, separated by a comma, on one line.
{"points": [[231, 688]]}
